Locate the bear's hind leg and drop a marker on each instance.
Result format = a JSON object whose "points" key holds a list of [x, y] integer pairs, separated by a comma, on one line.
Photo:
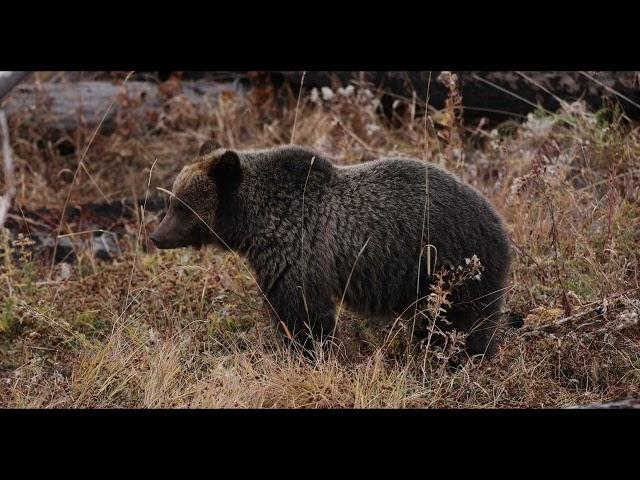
{"points": [[482, 330]]}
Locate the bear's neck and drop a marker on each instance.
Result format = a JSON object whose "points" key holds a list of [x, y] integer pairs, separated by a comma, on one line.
{"points": [[265, 213]]}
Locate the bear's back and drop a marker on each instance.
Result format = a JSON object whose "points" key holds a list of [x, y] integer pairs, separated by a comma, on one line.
{"points": [[292, 165], [400, 184], [382, 203]]}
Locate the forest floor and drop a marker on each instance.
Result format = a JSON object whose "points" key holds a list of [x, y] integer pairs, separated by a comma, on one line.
{"points": [[188, 328]]}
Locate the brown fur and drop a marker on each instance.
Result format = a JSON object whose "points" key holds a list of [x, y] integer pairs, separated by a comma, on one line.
{"points": [[313, 231]]}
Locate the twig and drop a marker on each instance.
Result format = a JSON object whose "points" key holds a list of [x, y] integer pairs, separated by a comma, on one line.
{"points": [[588, 308], [609, 89], [344, 292], [140, 227], [302, 255], [508, 92], [519, 97], [425, 211], [295, 117], [554, 239], [541, 87]]}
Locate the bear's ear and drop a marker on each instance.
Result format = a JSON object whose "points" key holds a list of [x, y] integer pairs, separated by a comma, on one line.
{"points": [[208, 147], [226, 170]]}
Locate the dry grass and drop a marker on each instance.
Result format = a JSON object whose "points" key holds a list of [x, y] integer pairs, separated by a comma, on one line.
{"points": [[194, 332]]}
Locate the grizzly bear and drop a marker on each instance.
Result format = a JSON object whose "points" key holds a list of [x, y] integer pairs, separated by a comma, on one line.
{"points": [[317, 235]]}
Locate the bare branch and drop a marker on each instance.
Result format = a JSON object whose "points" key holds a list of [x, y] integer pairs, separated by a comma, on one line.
{"points": [[9, 180]]}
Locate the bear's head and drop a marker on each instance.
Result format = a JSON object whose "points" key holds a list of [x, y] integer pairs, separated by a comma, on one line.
{"points": [[197, 191]]}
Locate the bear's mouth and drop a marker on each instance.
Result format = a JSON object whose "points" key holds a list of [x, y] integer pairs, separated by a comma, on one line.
{"points": [[198, 239]]}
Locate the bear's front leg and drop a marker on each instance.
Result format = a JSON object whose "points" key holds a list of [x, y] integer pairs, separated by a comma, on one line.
{"points": [[304, 316]]}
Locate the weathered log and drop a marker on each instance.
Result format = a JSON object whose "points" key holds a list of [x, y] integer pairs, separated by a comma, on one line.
{"points": [[66, 106], [493, 95]]}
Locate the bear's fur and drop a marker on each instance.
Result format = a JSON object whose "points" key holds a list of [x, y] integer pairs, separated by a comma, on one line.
{"points": [[313, 232]]}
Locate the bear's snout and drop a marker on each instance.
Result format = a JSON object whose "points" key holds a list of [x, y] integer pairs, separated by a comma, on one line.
{"points": [[167, 234], [156, 239], [161, 241]]}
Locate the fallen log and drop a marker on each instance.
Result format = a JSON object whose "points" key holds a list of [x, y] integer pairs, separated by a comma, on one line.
{"points": [[496, 96], [67, 106]]}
